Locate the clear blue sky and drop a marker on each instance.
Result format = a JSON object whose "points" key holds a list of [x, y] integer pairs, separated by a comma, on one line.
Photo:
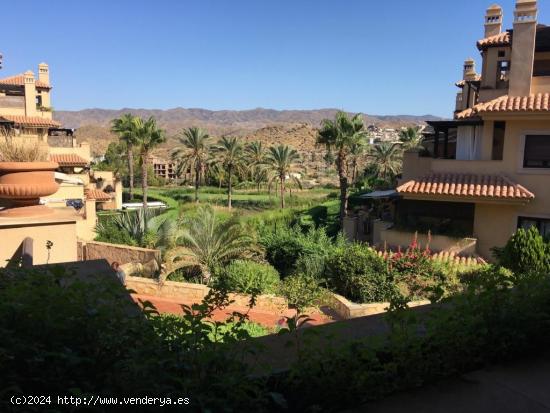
{"points": [[378, 57]]}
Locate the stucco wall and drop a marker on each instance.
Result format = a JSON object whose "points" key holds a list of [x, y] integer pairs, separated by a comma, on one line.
{"points": [[61, 232]]}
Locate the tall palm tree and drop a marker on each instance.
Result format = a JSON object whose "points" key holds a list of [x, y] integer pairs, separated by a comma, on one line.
{"points": [[193, 154], [411, 138], [124, 127], [255, 154], [148, 136], [229, 153], [340, 134], [386, 159], [281, 164], [356, 151], [212, 242]]}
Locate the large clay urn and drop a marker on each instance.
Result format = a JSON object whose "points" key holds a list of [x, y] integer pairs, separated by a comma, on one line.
{"points": [[22, 184]]}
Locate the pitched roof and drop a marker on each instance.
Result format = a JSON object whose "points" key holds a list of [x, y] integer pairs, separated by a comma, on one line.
{"points": [[97, 195], [19, 80], [498, 40], [31, 121], [68, 159], [536, 103], [488, 187]]}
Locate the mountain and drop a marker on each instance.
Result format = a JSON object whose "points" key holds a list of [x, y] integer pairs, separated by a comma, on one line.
{"points": [[296, 127]]}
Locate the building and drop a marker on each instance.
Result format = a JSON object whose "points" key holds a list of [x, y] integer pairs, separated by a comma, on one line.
{"points": [[163, 168], [26, 112], [486, 172]]}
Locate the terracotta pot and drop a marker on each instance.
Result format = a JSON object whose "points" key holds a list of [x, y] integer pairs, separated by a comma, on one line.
{"points": [[22, 184]]}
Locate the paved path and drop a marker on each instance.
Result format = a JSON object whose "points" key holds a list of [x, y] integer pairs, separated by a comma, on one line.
{"points": [[266, 318]]}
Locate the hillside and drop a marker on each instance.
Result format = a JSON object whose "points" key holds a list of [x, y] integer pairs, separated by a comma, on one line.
{"points": [[295, 127]]}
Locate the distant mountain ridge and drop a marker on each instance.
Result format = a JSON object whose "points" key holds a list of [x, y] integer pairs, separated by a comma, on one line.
{"points": [[102, 117], [292, 127]]}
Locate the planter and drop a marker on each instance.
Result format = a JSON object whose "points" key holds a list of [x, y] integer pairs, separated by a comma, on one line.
{"points": [[22, 184]]}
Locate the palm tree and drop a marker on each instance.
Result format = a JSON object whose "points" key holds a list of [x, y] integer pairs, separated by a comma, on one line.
{"points": [[229, 153], [194, 154], [124, 127], [255, 154], [212, 242], [411, 138], [386, 159], [356, 151], [281, 164], [148, 136], [340, 134]]}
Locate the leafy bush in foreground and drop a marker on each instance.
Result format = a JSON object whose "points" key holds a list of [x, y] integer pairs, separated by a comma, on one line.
{"points": [[247, 277], [302, 291]]}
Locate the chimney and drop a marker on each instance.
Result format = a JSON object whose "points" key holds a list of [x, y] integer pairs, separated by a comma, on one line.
{"points": [[523, 47], [30, 94], [493, 21], [469, 69], [44, 73]]}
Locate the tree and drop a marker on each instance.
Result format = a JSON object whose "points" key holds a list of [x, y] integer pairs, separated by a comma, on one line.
{"points": [[148, 137], [411, 138], [255, 154], [356, 150], [124, 127], [194, 154], [281, 164], [229, 153], [212, 242], [340, 134], [386, 160]]}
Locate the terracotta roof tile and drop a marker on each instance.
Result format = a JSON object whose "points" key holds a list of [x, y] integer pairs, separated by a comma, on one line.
{"points": [[498, 40], [495, 187], [68, 159], [539, 102], [19, 80], [447, 257], [97, 195], [461, 83], [35, 121]]}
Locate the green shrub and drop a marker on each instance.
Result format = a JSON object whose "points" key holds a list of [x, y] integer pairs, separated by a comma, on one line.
{"points": [[247, 277], [108, 231], [358, 273], [525, 253], [285, 246], [302, 291]]}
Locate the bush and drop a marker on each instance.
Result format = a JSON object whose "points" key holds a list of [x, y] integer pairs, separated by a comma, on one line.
{"points": [[108, 231], [248, 277], [302, 291], [358, 273], [525, 253], [285, 246]]}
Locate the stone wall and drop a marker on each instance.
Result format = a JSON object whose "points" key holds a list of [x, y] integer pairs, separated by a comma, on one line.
{"points": [[194, 293], [122, 254], [347, 309]]}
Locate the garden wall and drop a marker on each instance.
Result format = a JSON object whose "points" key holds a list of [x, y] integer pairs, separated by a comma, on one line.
{"points": [[122, 254], [194, 293], [347, 309]]}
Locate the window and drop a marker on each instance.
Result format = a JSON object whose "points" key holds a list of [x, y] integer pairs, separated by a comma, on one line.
{"points": [[499, 131], [502, 53], [537, 151], [542, 224], [541, 68]]}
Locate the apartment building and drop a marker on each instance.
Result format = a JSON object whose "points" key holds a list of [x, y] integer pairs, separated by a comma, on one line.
{"points": [[486, 172]]}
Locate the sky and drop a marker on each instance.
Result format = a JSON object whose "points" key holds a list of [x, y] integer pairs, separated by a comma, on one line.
{"points": [[377, 57]]}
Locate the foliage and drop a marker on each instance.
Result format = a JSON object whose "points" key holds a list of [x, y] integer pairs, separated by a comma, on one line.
{"points": [[213, 243], [302, 291], [342, 134], [281, 164], [386, 160], [285, 245], [411, 138], [526, 252], [90, 336], [358, 273], [249, 277], [14, 151], [229, 154], [489, 323], [108, 231]]}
